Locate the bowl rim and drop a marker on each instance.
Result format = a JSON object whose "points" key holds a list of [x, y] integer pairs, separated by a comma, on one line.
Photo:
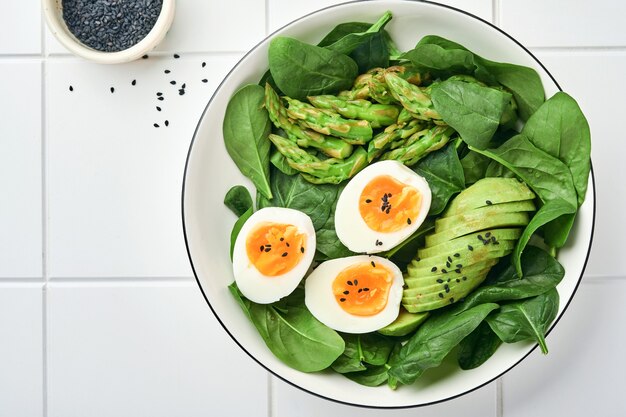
{"points": [[52, 10], [184, 225]]}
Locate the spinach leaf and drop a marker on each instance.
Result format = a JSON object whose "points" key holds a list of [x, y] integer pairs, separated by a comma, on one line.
{"points": [[300, 69], [523, 82], [280, 162], [327, 241], [439, 61], [559, 128], [474, 167], [246, 128], [373, 376], [361, 349], [342, 30], [237, 228], [471, 109], [435, 339], [238, 200], [352, 39], [373, 53], [444, 173], [478, 346], [541, 273], [527, 319], [292, 333]]}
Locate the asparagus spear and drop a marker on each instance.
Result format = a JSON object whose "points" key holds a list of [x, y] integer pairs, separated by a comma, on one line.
{"points": [[372, 84], [356, 132], [306, 138], [414, 99], [420, 144], [392, 133], [328, 171], [377, 114]]}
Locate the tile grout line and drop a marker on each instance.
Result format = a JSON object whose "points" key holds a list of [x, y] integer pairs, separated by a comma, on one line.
{"points": [[499, 402], [495, 12], [44, 220]]}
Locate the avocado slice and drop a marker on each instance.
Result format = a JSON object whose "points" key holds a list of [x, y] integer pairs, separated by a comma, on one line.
{"points": [[477, 214], [497, 220], [472, 240], [488, 191], [404, 324], [424, 280]]}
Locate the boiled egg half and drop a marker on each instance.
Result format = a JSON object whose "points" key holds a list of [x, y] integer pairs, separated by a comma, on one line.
{"points": [[272, 253], [381, 207], [356, 294]]}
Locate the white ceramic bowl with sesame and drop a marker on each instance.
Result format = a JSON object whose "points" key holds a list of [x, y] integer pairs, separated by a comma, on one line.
{"points": [[53, 12], [210, 172]]}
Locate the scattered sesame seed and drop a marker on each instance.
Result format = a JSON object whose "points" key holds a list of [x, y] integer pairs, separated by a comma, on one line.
{"points": [[158, 108], [167, 71], [408, 221], [458, 271], [458, 280], [368, 201], [284, 254], [281, 239], [457, 255], [470, 247], [204, 80], [181, 92], [360, 290], [440, 295], [446, 287], [349, 283], [176, 56], [268, 249], [287, 244], [262, 247], [488, 234], [373, 264], [342, 299], [71, 88], [167, 123], [133, 82], [112, 89], [443, 271], [449, 259], [144, 57], [488, 202], [448, 264], [159, 94], [161, 98], [173, 82], [366, 289], [156, 125], [346, 292], [301, 249], [356, 282], [440, 281], [184, 85], [451, 300], [203, 64], [459, 265], [433, 269], [464, 278]]}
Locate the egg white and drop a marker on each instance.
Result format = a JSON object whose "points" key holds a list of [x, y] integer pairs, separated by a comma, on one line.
{"points": [[321, 302], [253, 284], [352, 230]]}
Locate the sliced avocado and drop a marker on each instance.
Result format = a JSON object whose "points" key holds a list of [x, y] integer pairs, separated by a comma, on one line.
{"points": [[488, 191], [470, 241], [453, 283], [445, 223], [404, 324], [442, 298], [424, 280], [497, 220]]}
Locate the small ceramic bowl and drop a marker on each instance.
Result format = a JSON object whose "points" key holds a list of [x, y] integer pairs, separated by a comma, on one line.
{"points": [[53, 11]]}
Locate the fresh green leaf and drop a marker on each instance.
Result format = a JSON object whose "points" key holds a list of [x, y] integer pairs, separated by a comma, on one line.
{"points": [[559, 128], [280, 162], [292, 333], [541, 273], [361, 349], [300, 69], [473, 110], [444, 173], [327, 241], [373, 376], [374, 53], [440, 61], [474, 167], [526, 320], [478, 346], [238, 200], [237, 228], [352, 40], [246, 128], [435, 339]]}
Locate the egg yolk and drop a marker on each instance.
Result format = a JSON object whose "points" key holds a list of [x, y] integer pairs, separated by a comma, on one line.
{"points": [[363, 289], [275, 248], [388, 205]]}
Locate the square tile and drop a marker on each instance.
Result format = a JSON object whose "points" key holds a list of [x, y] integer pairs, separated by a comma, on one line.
{"points": [[21, 27], [114, 180], [564, 24], [21, 350], [583, 373], [205, 26], [130, 350], [20, 169], [601, 102], [290, 401]]}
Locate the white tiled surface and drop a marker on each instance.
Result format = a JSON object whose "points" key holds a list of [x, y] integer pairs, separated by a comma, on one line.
{"points": [[98, 313]]}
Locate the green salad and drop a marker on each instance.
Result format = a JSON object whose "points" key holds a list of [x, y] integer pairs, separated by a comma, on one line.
{"points": [[423, 194]]}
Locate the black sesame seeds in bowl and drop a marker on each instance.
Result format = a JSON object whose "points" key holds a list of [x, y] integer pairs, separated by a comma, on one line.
{"points": [[109, 31]]}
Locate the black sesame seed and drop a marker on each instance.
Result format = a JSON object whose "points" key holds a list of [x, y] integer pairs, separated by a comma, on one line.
{"points": [[167, 123], [408, 221], [440, 295], [161, 98], [173, 82], [458, 280], [349, 282], [451, 300], [284, 254], [346, 292], [167, 71], [417, 258], [302, 249], [356, 282], [268, 249], [458, 271], [156, 125], [488, 202], [176, 56], [181, 92], [446, 287], [158, 108], [184, 85], [159, 94], [133, 82], [366, 289], [449, 259], [281, 239], [368, 201], [204, 80], [203, 64], [488, 234], [433, 269], [287, 244], [144, 57], [464, 278], [373, 264], [470, 247], [440, 281], [360, 290], [480, 237], [443, 271], [112, 89], [448, 279], [448, 264], [457, 255], [71, 88], [459, 265], [342, 299]]}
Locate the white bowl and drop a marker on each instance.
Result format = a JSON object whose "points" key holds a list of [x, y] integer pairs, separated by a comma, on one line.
{"points": [[209, 173], [53, 11]]}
